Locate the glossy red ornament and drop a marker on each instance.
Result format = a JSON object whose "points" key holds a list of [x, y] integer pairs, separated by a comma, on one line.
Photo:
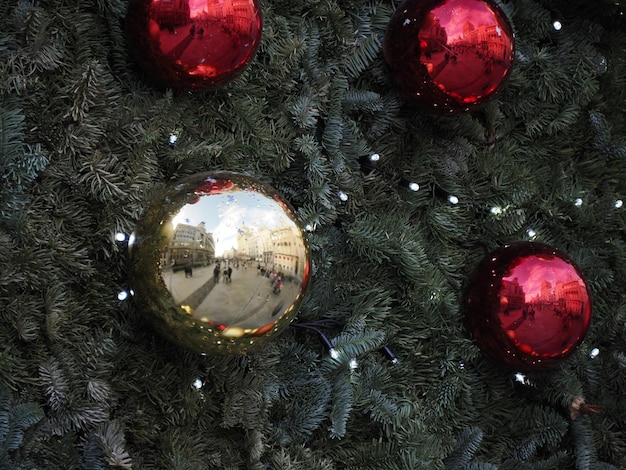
{"points": [[192, 44], [528, 306], [449, 56]]}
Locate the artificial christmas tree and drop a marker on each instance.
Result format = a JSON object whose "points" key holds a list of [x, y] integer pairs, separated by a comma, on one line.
{"points": [[378, 370]]}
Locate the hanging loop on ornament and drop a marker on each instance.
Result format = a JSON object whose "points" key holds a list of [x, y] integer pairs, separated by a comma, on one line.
{"points": [[579, 407]]}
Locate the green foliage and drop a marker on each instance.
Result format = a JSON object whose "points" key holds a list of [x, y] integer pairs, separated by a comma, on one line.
{"points": [[15, 420], [85, 143], [20, 163]]}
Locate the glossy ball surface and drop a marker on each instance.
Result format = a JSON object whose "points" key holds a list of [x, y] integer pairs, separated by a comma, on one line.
{"points": [[190, 45], [219, 263], [449, 56], [528, 306]]}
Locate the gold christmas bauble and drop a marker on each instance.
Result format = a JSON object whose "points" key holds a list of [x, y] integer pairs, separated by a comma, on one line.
{"points": [[219, 263]]}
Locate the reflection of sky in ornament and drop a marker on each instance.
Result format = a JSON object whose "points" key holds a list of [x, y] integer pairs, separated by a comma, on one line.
{"points": [[225, 213], [196, 6], [454, 14], [532, 271]]}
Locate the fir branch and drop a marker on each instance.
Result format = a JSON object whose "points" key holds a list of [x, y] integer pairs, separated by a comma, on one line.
{"points": [[365, 51], [586, 457], [386, 118], [20, 164], [303, 406], [56, 385], [545, 426], [468, 442], [101, 182], [15, 419], [341, 406], [305, 113], [363, 100], [111, 438]]}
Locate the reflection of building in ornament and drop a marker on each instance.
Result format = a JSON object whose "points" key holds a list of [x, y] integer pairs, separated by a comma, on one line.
{"points": [[170, 13], [288, 250], [433, 35], [190, 246], [571, 296], [280, 249], [546, 294], [513, 293], [487, 40], [234, 14], [246, 248], [254, 244]]}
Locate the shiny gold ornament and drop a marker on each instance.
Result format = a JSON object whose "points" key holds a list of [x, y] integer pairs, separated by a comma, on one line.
{"points": [[219, 263]]}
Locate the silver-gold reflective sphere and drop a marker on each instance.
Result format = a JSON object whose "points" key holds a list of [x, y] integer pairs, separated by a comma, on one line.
{"points": [[219, 263]]}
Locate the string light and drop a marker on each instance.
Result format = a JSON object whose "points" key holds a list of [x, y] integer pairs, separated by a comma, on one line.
{"points": [[173, 139], [601, 64], [521, 378], [353, 363], [120, 236], [594, 353], [368, 164], [557, 25], [122, 295], [342, 196], [414, 186], [197, 384], [332, 351], [390, 355], [453, 199], [315, 327], [495, 210], [578, 202], [619, 203], [531, 233]]}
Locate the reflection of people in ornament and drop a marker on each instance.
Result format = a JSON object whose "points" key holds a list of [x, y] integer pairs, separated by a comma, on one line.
{"points": [[278, 283]]}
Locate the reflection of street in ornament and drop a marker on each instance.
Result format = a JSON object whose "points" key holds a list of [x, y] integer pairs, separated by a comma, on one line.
{"points": [[239, 301]]}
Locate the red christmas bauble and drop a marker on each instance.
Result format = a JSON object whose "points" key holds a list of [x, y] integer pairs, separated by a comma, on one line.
{"points": [[528, 306], [191, 44], [449, 56]]}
